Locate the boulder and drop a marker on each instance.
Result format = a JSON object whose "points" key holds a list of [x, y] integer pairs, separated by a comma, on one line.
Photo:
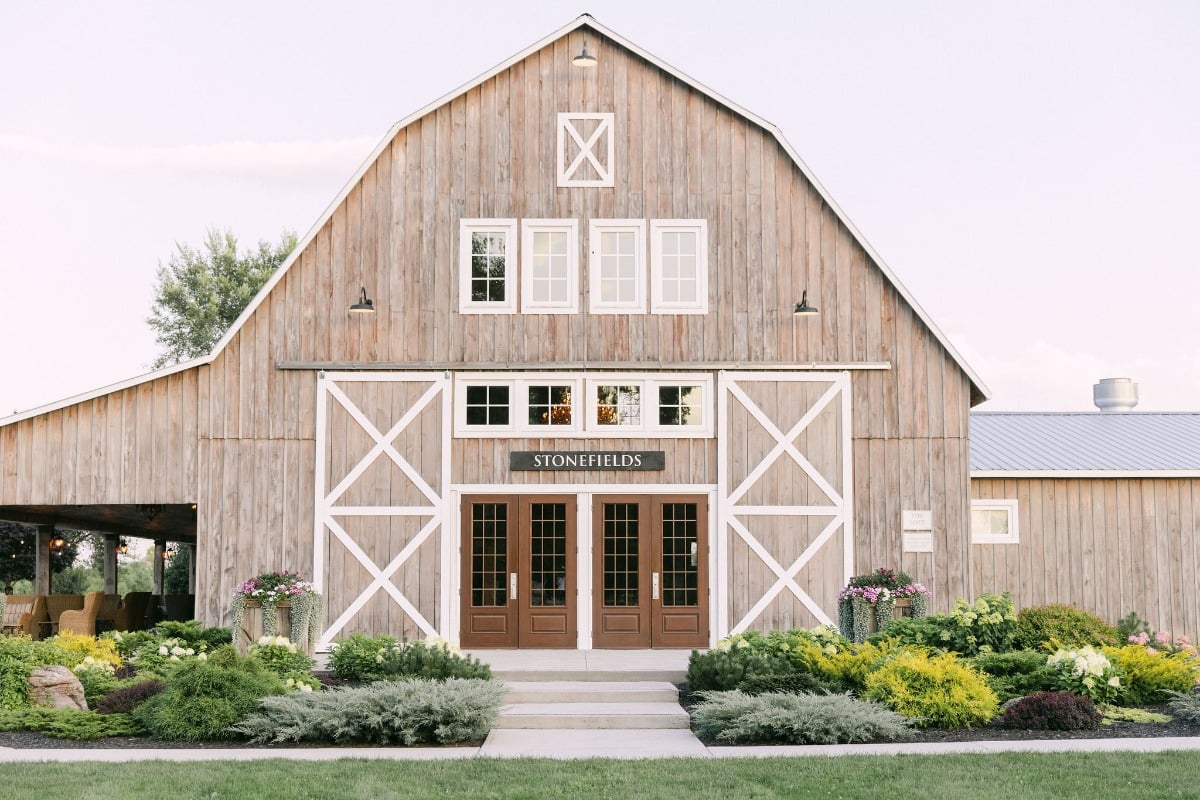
{"points": [[56, 687]]}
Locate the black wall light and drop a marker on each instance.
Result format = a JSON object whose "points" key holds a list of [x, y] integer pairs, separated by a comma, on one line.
{"points": [[584, 59], [803, 309], [364, 304]]}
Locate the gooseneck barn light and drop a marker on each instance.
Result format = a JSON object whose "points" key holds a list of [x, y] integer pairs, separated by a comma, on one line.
{"points": [[803, 309], [364, 304], [584, 59]]}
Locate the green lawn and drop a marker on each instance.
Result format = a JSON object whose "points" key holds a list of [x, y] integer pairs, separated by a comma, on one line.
{"points": [[977, 777]]}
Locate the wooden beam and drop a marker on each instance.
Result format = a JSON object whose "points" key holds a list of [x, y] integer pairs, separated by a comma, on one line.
{"points": [[41, 569], [110, 563]]}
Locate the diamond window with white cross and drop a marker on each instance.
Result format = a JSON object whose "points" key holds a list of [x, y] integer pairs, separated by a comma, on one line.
{"points": [[586, 150]]}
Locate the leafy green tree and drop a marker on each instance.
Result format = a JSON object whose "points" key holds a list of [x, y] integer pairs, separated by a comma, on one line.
{"points": [[18, 545], [134, 576], [175, 575], [201, 291], [77, 580]]}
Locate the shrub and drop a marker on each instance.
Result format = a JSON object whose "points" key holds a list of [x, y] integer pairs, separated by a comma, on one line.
{"points": [[128, 642], [720, 670], [1014, 674], [737, 718], [361, 658], [204, 698], [280, 655], [193, 634], [990, 623], [96, 677], [1131, 625], [163, 656], [80, 647], [1052, 711], [940, 690], [1186, 706], [19, 657], [934, 631], [124, 699], [795, 683], [1065, 625], [65, 723], [1085, 671], [1150, 675], [407, 712]]}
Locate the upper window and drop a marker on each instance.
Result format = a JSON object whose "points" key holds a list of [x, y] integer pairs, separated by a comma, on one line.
{"points": [[617, 266], [550, 266], [586, 149], [486, 249], [600, 405], [994, 522], [679, 266]]}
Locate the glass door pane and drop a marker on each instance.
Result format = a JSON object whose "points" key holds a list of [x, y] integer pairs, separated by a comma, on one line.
{"points": [[621, 554]]}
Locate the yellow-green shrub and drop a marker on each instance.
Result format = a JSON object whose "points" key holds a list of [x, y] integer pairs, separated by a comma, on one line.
{"points": [[939, 690], [82, 646], [1151, 676], [851, 667]]}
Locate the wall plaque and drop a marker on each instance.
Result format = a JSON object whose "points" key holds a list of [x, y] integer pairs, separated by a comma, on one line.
{"points": [[917, 520], [587, 460]]}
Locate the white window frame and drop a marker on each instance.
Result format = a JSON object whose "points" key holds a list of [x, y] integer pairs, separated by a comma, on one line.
{"points": [[529, 228], [583, 412], [653, 426], [657, 228], [593, 404], [467, 227], [587, 149], [460, 407], [1009, 505], [596, 229]]}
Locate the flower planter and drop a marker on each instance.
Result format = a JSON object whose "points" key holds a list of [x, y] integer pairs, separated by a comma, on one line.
{"points": [[253, 626]]}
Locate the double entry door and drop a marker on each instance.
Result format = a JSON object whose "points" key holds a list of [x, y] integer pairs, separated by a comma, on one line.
{"points": [[649, 576]]}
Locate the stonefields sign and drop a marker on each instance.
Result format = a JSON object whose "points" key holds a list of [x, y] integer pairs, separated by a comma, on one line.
{"points": [[587, 460]]}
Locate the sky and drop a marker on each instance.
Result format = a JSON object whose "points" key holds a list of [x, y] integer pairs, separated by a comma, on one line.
{"points": [[1028, 170]]}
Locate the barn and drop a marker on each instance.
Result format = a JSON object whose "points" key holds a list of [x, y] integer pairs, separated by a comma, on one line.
{"points": [[583, 356]]}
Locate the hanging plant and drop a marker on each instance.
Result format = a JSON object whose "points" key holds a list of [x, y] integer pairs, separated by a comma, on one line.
{"points": [[873, 596], [269, 590]]}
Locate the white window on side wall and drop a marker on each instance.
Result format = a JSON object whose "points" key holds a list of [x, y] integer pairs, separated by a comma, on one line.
{"points": [[680, 406], [994, 522], [487, 265], [550, 266], [616, 405], [486, 406], [617, 266], [678, 266]]}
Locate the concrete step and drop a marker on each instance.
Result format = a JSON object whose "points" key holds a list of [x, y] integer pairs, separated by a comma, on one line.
{"points": [[591, 692], [583, 674], [592, 716]]}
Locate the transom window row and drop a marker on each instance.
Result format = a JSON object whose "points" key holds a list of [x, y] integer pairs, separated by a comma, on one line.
{"points": [[542, 275], [600, 405]]}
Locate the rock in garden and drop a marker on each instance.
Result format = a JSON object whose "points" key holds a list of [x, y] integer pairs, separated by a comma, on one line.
{"points": [[56, 687]]}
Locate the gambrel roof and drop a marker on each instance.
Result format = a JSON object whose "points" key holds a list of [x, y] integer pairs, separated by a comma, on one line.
{"points": [[1085, 444], [979, 391]]}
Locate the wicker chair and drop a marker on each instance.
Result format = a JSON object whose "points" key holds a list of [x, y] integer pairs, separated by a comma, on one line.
{"points": [[23, 613], [131, 616], [83, 621], [56, 604]]}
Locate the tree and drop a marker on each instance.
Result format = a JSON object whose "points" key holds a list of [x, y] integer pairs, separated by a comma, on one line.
{"points": [[201, 292], [18, 548], [175, 575]]}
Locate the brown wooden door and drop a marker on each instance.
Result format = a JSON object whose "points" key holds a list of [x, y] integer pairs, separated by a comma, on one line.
{"points": [[650, 575], [518, 568]]}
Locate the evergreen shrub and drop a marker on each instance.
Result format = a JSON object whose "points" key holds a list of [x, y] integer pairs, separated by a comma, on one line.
{"points": [[939, 690], [1151, 675], [366, 658], [738, 718], [64, 723], [1014, 674], [409, 712], [204, 698], [1065, 626]]}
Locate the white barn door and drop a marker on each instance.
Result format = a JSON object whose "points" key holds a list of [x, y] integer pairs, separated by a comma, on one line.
{"points": [[382, 553], [784, 538]]}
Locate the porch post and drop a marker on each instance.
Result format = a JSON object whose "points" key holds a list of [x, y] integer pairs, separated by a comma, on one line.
{"points": [[191, 553], [110, 563], [160, 547], [41, 561]]}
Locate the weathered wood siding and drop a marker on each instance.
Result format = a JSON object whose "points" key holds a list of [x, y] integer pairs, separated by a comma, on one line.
{"points": [[132, 446], [1109, 546], [246, 440]]}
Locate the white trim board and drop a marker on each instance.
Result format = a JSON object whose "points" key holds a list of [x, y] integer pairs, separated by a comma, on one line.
{"points": [[1012, 474]]}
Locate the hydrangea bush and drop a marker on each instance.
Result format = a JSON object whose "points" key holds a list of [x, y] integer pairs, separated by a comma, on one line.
{"points": [[1085, 671]]}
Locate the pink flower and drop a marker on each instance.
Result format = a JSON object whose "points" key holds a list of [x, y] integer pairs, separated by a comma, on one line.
{"points": [[1163, 637]]}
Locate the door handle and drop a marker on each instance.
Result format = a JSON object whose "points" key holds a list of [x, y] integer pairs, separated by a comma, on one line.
{"points": [[512, 585], [654, 586], [694, 554]]}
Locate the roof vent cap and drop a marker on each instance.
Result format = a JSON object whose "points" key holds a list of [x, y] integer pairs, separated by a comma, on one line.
{"points": [[1115, 394]]}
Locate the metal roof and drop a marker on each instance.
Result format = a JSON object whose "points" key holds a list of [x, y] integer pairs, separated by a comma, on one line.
{"points": [[1085, 442]]}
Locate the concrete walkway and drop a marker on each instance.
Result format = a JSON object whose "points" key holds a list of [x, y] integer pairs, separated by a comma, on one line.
{"points": [[599, 744]]}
